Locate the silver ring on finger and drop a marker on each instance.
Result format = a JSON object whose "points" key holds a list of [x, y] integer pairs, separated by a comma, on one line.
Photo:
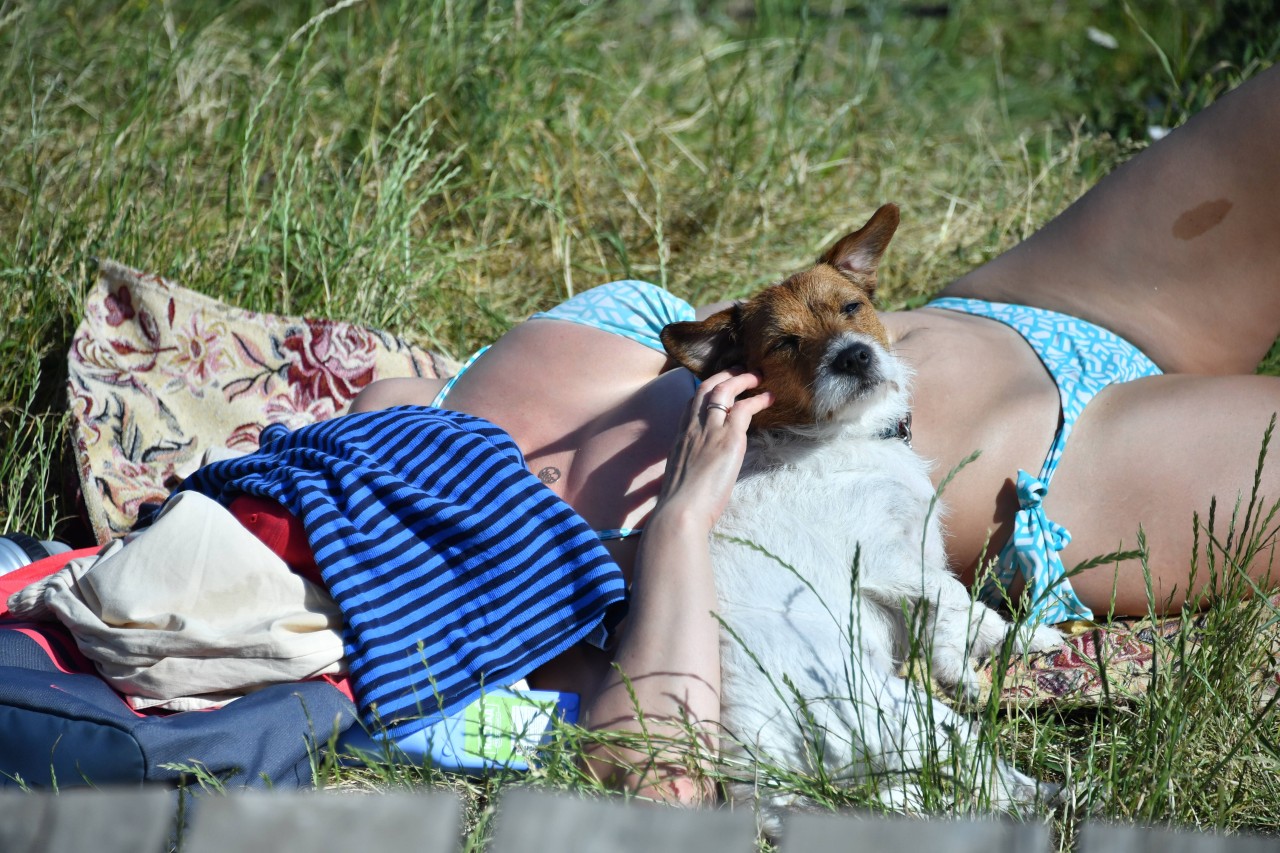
{"points": [[721, 406]]}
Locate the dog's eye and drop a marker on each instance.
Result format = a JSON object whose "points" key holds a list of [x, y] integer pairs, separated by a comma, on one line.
{"points": [[851, 308], [790, 343]]}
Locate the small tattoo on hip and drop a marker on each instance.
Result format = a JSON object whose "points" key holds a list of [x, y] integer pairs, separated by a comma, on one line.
{"points": [[549, 475]]}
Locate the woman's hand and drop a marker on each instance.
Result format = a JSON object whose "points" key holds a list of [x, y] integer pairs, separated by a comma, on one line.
{"points": [[708, 452]]}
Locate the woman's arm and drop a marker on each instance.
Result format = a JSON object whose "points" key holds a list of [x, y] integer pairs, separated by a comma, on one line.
{"points": [[664, 685]]}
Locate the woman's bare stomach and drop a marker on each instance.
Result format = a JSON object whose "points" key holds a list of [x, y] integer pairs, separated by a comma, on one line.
{"points": [[595, 415]]}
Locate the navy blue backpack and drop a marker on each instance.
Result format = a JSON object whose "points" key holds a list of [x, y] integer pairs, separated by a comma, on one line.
{"points": [[61, 725]]}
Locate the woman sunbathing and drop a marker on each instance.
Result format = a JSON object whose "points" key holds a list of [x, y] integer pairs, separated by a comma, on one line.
{"points": [[1131, 325]]}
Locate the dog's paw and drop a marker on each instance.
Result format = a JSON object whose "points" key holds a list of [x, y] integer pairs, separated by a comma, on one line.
{"points": [[987, 630], [969, 688], [1011, 791], [953, 672], [1041, 638]]}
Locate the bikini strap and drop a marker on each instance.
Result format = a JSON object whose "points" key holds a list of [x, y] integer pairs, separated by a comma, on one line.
{"points": [[618, 533]]}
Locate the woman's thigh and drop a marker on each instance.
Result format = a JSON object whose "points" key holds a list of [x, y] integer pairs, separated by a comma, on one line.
{"points": [[1154, 453], [1177, 250]]}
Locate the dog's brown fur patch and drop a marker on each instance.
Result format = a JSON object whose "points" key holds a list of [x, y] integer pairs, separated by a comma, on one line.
{"points": [[783, 332]]}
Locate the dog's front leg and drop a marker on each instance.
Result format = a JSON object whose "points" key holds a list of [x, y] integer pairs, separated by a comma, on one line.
{"points": [[936, 621]]}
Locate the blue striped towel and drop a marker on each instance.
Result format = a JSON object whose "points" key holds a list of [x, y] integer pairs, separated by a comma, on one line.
{"points": [[453, 565]]}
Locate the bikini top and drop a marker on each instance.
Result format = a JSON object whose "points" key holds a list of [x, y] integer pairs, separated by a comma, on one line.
{"points": [[618, 533]]}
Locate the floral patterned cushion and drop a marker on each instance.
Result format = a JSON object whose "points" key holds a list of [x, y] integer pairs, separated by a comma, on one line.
{"points": [[161, 375]]}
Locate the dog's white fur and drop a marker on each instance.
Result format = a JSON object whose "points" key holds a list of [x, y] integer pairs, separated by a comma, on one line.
{"points": [[829, 550]]}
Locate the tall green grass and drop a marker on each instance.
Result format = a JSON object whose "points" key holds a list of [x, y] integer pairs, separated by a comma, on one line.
{"points": [[443, 168]]}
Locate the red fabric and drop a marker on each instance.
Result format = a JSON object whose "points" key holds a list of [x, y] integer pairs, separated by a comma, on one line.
{"points": [[342, 683], [39, 570], [280, 530]]}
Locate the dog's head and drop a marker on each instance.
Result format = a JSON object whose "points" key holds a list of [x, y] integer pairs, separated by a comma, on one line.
{"points": [[815, 338]]}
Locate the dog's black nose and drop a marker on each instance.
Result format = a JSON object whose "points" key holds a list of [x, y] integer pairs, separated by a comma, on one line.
{"points": [[854, 359]]}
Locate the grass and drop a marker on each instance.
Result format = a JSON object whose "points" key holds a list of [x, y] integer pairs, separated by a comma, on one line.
{"points": [[442, 169]]}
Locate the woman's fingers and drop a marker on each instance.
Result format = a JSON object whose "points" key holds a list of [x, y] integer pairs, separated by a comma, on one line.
{"points": [[725, 386], [748, 407], [718, 397]]}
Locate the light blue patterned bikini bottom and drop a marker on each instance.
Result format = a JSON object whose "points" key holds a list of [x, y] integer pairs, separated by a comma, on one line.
{"points": [[1082, 359], [633, 309]]}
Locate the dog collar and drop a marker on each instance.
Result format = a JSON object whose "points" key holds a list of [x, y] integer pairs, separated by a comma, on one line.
{"points": [[902, 431]]}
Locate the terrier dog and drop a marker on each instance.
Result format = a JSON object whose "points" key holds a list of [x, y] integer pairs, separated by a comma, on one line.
{"points": [[829, 560]]}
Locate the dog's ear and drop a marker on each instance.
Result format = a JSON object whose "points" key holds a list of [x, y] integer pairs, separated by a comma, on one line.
{"points": [[857, 255], [707, 346]]}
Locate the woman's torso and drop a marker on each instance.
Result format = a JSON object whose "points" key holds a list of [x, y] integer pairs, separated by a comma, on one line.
{"points": [[595, 415]]}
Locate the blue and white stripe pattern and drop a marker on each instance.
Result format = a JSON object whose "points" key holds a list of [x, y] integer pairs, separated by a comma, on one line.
{"points": [[633, 309], [453, 565], [1082, 359]]}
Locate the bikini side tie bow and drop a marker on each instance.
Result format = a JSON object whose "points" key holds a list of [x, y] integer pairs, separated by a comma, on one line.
{"points": [[1035, 543]]}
